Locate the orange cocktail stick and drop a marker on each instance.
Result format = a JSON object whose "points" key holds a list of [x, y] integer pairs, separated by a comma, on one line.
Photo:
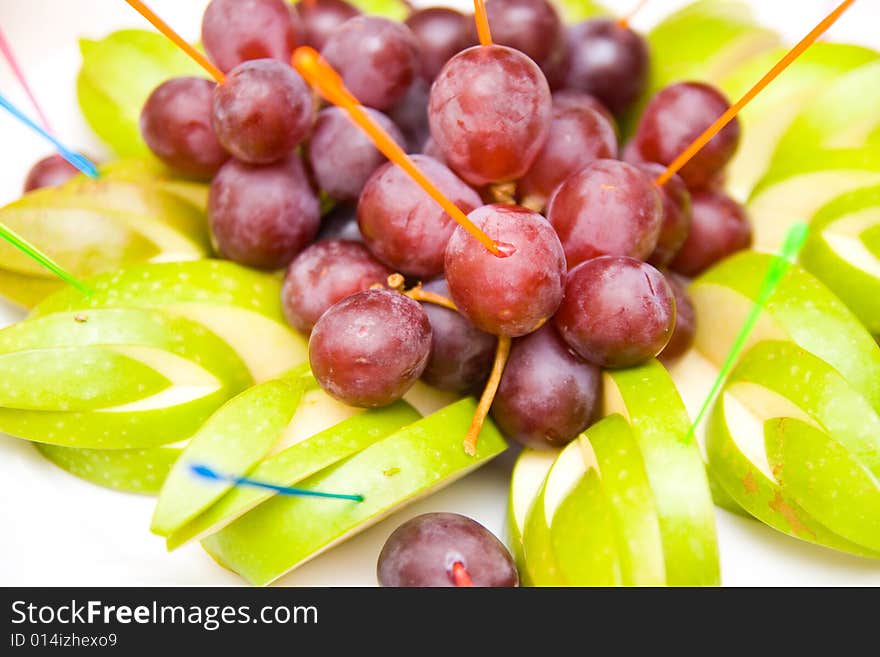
{"points": [[624, 21], [181, 43], [329, 84], [460, 575], [482, 20], [734, 109]]}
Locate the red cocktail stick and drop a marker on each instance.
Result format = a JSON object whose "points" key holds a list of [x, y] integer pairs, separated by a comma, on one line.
{"points": [[6, 49]]}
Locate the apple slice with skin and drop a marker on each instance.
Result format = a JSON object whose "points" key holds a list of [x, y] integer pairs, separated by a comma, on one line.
{"points": [[283, 533], [841, 253], [148, 171], [313, 442], [526, 482]]}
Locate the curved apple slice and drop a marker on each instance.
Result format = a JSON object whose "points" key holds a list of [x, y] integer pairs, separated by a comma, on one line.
{"points": [[284, 532], [526, 482], [148, 171]]}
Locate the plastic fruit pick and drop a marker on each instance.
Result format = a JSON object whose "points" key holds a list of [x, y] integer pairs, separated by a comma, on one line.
{"points": [[329, 84], [29, 249], [482, 20], [459, 572], [625, 20], [6, 49], [771, 75], [206, 472], [794, 241], [179, 41]]}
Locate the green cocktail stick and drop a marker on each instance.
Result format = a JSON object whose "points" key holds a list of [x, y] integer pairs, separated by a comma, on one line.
{"points": [[794, 241], [30, 250]]}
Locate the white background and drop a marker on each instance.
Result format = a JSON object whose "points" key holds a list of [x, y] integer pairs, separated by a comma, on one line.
{"points": [[58, 530]]}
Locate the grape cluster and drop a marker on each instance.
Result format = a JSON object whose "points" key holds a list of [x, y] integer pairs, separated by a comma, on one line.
{"points": [[588, 253]]}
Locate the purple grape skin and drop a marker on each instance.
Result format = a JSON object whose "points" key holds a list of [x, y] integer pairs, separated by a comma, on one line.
{"points": [[617, 311], [262, 111], [341, 156], [176, 125], [410, 115], [574, 98], [608, 61], [51, 171], [513, 294], [676, 215], [685, 320], [321, 17], [490, 112], [402, 225], [719, 228], [548, 394], [377, 58], [370, 348], [441, 33], [235, 31], [461, 354], [262, 216], [530, 26], [340, 224], [324, 274], [423, 550], [606, 208], [674, 118]]}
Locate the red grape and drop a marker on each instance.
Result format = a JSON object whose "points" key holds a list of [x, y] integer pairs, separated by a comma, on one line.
{"points": [[262, 216], [341, 156], [377, 58], [369, 349], [441, 33], [490, 113], [234, 31], [51, 171], [530, 26], [685, 320], [403, 225], [676, 215], [617, 311], [424, 551], [263, 111], [410, 114], [606, 208], [321, 17], [719, 227], [674, 118], [515, 293], [548, 395], [574, 98], [176, 124], [609, 61], [578, 135], [325, 273], [461, 354]]}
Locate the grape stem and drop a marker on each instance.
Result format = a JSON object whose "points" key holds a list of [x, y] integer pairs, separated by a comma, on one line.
{"points": [[419, 294], [502, 352], [460, 575]]}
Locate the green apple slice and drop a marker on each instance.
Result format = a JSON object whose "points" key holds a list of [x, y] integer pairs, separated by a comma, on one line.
{"points": [[232, 441], [149, 171], [314, 441], [646, 396], [526, 482], [129, 470], [283, 533], [840, 252]]}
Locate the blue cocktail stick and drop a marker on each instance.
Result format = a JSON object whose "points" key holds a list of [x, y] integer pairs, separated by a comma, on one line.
{"points": [[206, 472], [77, 160]]}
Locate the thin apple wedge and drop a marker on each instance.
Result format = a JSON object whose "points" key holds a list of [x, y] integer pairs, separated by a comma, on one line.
{"points": [[283, 533], [526, 482], [149, 172]]}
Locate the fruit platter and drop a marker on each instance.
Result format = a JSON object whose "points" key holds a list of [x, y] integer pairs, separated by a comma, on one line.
{"points": [[494, 293]]}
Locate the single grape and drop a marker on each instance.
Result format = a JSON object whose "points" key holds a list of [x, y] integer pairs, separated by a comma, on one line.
{"points": [[512, 294], [262, 216], [340, 224], [341, 156], [490, 112], [685, 320], [617, 311], [444, 549], [461, 354], [321, 17], [377, 58], [430, 149], [370, 348], [410, 114], [441, 33], [674, 118], [530, 26], [176, 124], [609, 61], [606, 208], [719, 227], [574, 98], [548, 394], [234, 31], [402, 225], [263, 111], [676, 215], [325, 273], [51, 171], [578, 135]]}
